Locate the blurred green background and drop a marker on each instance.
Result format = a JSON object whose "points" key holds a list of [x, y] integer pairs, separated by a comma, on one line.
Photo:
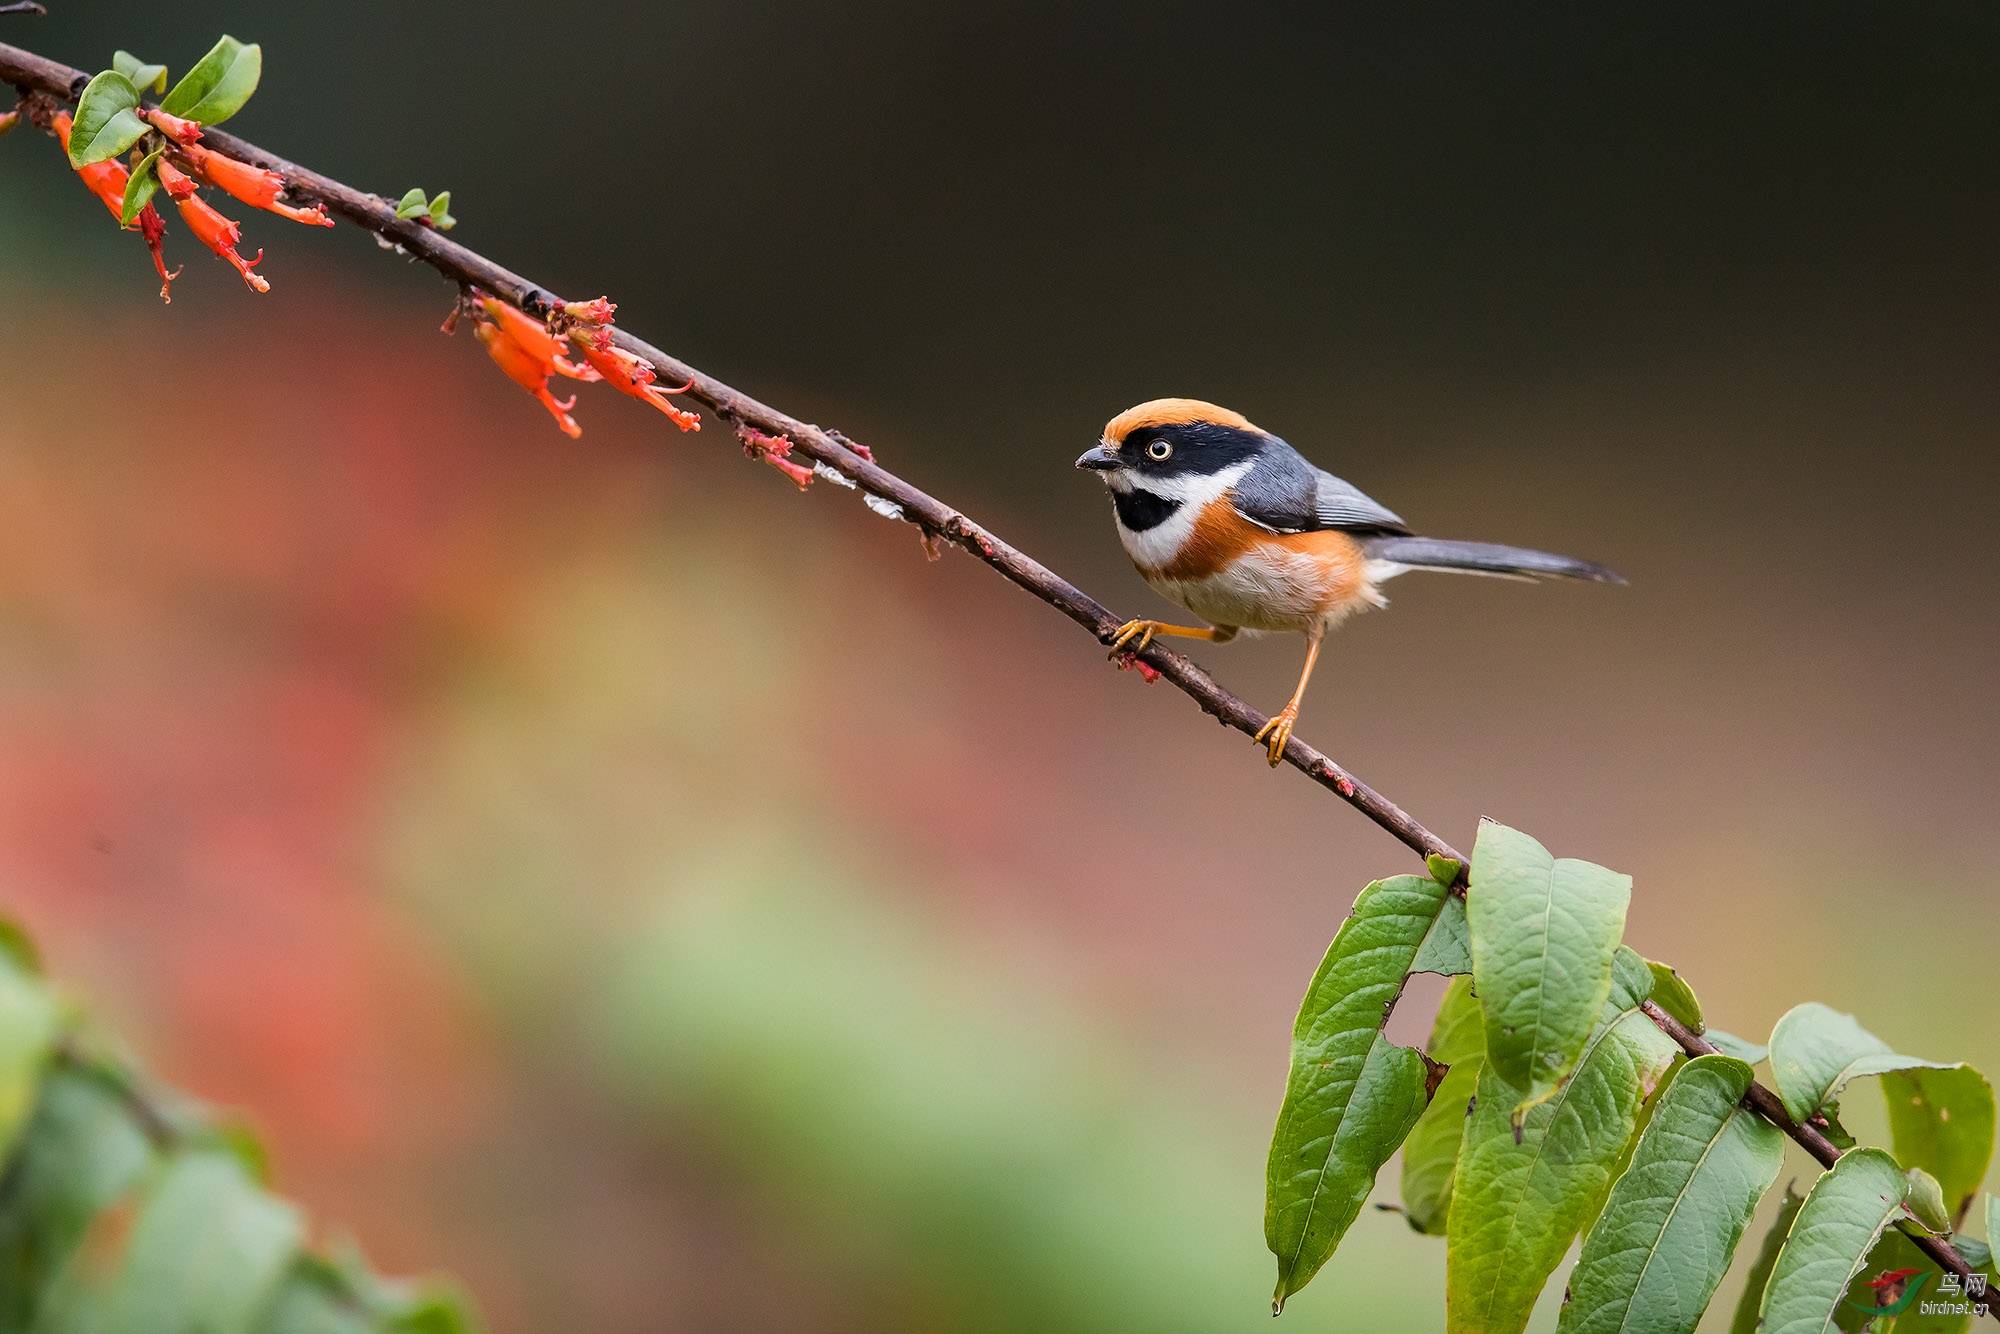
{"points": [[670, 903]]}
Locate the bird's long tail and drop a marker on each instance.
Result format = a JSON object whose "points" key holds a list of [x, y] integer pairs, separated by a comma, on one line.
{"points": [[1435, 553]]}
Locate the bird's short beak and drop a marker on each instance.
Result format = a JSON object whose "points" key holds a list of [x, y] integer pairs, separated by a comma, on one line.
{"points": [[1099, 459]]}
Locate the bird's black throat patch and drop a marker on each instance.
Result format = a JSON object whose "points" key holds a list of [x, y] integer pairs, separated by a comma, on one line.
{"points": [[1139, 510]]}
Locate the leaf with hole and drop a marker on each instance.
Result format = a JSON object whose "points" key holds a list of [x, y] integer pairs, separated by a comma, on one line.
{"points": [[1517, 1203], [1430, 1154], [219, 84], [142, 76], [1543, 933], [139, 187], [1352, 1094], [1815, 1051], [1842, 1219], [1674, 1218], [1942, 1119], [105, 123]]}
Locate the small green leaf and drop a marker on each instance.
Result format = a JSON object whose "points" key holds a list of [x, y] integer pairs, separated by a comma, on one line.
{"points": [[1744, 1321], [412, 204], [81, 1153], [139, 72], [1516, 1203], [1747, 1052], [1675, 996], [219, 84], [1447, 950], [1849, 1207], [1926, 1202], [105, 125], [1444, 870], [1352, 1094], [1430, 1154], [1942, 1120], [1816, 1050], [139, 187], [439, 212], [28, 1022], [1674, 1218], [1543, 934], [206, 1252]]}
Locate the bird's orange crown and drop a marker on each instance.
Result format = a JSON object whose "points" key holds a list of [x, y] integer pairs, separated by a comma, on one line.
{"points": [[1171, 412]]}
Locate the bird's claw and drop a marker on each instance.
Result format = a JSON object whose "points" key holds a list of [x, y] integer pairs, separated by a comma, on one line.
{"points": [[1140, 630], [1279, 732]]}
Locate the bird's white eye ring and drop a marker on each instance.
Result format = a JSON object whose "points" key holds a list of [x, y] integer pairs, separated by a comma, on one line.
{"points": [[1158, 450]]}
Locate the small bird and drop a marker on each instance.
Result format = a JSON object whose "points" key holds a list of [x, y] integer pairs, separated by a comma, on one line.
{"points": [[1234, 524]]}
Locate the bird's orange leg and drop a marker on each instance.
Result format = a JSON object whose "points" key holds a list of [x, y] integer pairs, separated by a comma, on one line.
{"points": [[1279, 728], [1143, 631]]}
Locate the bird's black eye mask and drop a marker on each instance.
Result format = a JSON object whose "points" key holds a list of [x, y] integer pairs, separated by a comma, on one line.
{"points": [[1187, 449]]}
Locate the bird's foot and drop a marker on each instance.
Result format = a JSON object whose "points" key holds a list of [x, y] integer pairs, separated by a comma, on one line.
{"points": [[1278, 731], [1142, 631]]}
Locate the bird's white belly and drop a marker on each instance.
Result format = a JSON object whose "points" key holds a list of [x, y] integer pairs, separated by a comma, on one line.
{"points": [[1260, 590]]}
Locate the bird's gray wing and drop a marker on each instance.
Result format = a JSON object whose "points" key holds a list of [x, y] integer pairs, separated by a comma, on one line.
{"points": [[1341, 504]]}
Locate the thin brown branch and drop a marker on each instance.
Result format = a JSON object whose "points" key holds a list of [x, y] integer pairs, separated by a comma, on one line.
{"points": [[935, 519]]}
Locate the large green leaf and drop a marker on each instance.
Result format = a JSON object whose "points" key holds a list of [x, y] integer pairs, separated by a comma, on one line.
{"points": [[205, 1256], [1842, 1219], [1352, 1095], [1520, 1193], [27, 1032], [1543, 932], [1744, 1321], [81, 1153], [1942, 1121], [1624, 1159], [1674, 1218], [1815, 1051], [105, 124], [1430, 1154], [218, 86]]}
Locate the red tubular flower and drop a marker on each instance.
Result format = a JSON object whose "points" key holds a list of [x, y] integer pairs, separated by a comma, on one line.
{"points": [[534, 338], [176, 129], [529, 371], [152, 228], [106, 180], [629, 375], [253, 185], [210, 228], [598, 311], [774, 449]]}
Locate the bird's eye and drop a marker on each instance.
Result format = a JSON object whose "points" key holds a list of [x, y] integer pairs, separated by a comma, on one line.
{"points": [[1158, 450]]}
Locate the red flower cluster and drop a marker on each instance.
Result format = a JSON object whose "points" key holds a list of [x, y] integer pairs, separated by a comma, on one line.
{"points": [[530, 351], [179, 153]]}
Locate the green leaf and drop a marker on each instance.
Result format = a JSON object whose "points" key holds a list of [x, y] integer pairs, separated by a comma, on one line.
{"points": [[1448, 948], [1747, 1052], [1747, 1306], [206, 1254], [412, 204], [1517, 1203], [1942, 1120], [1543, 933], [139, 187], [1624, 1159], [218, 86], [1675, 996], [28, 1023], [139, 72], [1352, 1095], [1815, 1051], [1849, 1207], [81, 1152], [314, 1298], [1430, 1154], [1444, 870], [439, 212], [1672, 1223], [105, 124], [1926, 1202]]}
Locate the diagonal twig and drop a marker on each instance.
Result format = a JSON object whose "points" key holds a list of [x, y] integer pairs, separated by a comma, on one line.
{"points": [[33, 73]]}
